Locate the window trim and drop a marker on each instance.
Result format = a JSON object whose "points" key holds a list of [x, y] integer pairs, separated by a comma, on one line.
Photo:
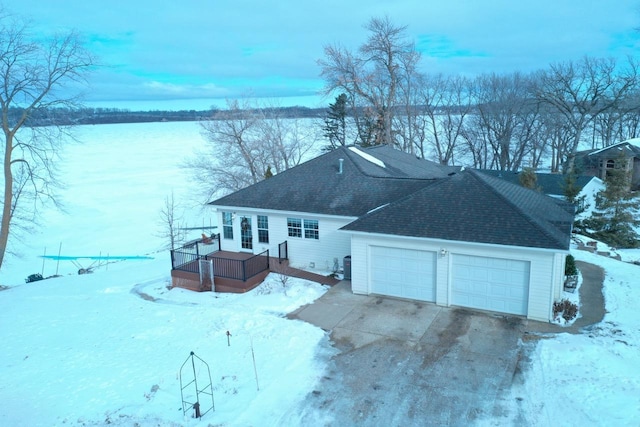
{"points": [[227, 225], [294, 227], [311, 228], [302, 228], [263, 231]]}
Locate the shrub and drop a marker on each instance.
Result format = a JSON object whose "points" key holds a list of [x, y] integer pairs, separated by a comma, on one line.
{"points": [[570, 268], [565, 309]]}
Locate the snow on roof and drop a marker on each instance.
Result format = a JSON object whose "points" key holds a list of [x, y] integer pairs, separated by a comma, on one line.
{"points": [[368, 157], [632, 141]]}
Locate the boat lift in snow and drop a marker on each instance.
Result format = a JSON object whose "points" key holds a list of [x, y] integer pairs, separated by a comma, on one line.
{"points": [[95, 261]]}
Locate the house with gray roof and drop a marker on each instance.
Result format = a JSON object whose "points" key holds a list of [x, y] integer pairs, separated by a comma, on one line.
{"points": [[624, 155], [408, 228]]}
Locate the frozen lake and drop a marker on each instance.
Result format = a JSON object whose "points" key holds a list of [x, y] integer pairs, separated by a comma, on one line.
{"points": [[115, 184]]}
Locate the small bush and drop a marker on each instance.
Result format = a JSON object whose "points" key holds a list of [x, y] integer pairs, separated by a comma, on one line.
{"points": [[565, 309], [570, 268]]}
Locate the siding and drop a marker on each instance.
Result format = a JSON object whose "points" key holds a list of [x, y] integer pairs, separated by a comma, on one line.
{"points": [[331, 244]]}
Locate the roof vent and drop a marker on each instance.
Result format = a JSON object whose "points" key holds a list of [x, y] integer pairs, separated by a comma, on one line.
{"points": [[340, 166]]}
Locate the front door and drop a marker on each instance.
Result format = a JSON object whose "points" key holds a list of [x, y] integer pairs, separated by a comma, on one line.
{"points": [[245, 233]]}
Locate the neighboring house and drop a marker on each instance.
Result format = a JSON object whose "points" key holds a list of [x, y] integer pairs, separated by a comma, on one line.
{"points": [[413, 229], [553, 184], [625, 154]]}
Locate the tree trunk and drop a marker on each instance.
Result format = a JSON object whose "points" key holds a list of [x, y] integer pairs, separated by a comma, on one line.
{"points": [[8, 197]]}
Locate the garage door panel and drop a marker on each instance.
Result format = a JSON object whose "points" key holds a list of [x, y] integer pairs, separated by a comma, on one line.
{"points": [[403, 273], [490, 283]]}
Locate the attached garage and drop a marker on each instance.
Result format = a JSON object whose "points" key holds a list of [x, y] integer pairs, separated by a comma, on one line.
{"points": [[495, 284], [403, 273]]}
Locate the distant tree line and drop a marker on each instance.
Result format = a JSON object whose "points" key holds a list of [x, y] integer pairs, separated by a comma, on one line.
{"points": [[95, 116], [492, 121]]}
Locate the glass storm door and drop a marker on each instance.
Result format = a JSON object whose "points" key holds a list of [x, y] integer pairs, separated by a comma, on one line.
{"points": [[245, 233]]}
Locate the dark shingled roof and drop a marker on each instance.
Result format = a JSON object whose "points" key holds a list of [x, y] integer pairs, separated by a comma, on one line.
{"points": [[317, 187], [474, 207], [407, 196], [549, 183]]}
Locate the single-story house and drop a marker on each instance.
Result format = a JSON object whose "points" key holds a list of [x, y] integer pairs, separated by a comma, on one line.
{"points": [[412, 229], [623, 155], [553, 184]]}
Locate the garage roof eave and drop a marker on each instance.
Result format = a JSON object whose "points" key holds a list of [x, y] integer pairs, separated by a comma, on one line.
{"points": [[449, 241]]}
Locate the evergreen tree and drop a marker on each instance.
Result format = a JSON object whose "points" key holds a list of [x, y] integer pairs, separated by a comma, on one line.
{"points": [[528, 179], [335, 123], [572, 190], [616, 222]]}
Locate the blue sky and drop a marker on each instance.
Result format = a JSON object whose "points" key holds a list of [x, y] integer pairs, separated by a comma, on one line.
{"points": [[195, 53]]}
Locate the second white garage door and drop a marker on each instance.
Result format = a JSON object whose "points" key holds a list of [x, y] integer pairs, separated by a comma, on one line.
{"points": [[403, 273], [494, 284]]}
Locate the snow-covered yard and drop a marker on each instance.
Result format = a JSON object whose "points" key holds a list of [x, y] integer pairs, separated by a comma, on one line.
{"points": [[591, 378], [106, 348]]}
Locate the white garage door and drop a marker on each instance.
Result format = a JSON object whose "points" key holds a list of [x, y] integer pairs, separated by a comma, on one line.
{"points": [[403, 273], [494, 284]]}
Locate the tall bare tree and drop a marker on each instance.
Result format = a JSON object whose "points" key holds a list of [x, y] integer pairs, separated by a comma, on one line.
{"points": [[448, 103], [35, 75], [372, 76], [244, 141], [581, 91]]}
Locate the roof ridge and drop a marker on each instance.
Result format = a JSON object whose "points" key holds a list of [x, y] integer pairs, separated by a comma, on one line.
{"points": [[483, 178], [352, 155]]}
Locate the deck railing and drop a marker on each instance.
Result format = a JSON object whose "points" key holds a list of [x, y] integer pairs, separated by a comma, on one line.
{"points": [[240, 269], [283, 251], [187, 259]]}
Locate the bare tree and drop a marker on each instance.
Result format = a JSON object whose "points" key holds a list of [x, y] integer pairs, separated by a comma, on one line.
{"points": [[504, 115], [244, 142], [169, 220], [447, 105], [34, 76], [583, 90], [372, 77]]}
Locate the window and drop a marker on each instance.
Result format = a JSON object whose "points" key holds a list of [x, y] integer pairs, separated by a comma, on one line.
{"points": [[227, 225], [263, 229], [294, 226], [311, 229]]}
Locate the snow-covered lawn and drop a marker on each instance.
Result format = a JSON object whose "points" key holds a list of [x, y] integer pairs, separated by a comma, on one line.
{"points": [[591, 378], [107, 348]]}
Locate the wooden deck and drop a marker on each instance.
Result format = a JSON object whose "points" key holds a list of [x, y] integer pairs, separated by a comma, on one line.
{"points": [[302, 274], [189, 280]]}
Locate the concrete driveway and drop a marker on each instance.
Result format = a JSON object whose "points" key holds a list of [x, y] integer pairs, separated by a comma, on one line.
{"points": [[410, 363]]}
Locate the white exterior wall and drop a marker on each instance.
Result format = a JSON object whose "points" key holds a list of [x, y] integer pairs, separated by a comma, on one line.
{"points": [[302, 252], [546, 267]]}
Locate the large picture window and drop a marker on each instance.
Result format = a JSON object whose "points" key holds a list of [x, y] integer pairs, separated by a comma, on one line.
{"points": [[263, 229], [227, 225]]}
